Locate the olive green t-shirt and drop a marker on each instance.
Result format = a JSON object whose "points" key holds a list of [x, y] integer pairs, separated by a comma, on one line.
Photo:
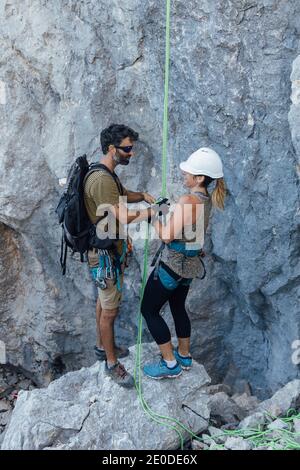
{"points": [[101, 188]]}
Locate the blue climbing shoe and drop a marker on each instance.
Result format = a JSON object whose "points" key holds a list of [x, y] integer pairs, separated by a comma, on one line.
{"points": [[185, 362], [160, 370]]}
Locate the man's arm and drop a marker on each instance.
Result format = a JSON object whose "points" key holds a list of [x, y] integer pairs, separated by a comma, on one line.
{"points": [[133, 196], [103, 192], [125, 216]]}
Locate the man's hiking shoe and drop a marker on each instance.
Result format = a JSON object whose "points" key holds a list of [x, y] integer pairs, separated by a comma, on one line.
{"points": [[120, 352], [160, 370], [119, 374], [185, 362]]}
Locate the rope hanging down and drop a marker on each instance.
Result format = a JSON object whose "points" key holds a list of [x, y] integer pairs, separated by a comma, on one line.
{"points": [[160, 419]]}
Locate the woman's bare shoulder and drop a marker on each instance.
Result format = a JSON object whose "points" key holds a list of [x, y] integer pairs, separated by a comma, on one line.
{"points": [[189, 199]]}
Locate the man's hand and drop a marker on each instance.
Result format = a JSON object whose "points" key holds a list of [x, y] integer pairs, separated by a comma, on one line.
{"points": [[148, 198]]}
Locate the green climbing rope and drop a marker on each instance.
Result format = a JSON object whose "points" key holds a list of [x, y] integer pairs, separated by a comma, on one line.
{"points": [[279, 439], [160, 419], [178, 427], [166, 101]]}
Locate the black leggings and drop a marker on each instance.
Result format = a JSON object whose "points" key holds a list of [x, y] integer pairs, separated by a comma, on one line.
{"points": [[155, 296]]}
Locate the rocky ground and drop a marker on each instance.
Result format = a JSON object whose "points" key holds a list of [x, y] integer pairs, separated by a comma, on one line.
{"points": [[242, 422], [12, 380], [66, 414]]}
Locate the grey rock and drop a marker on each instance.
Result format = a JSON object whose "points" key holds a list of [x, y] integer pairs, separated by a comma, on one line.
{"points": [[241, 387], [1, 437], [278, 424], [24, 384], [254, 421], [86, 66], [225, 410], [218, 435], [12, 379], [236, 384], [196, 445], [3, 384], [4, 405], [214, 446], [5, 417], [296, 422], [87, 410], [284, 399], [237, 443], [276, 436], [207, 439], [246, 402], [213, 389]]}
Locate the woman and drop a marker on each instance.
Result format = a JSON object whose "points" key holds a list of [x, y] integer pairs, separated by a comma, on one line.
{"points": [[179, 261]]}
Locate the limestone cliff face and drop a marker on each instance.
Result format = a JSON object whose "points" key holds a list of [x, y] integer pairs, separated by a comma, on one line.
{"points": [[70, 68]]}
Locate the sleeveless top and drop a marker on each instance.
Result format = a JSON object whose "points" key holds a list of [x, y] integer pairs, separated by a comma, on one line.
{"points": [[182, 264]]}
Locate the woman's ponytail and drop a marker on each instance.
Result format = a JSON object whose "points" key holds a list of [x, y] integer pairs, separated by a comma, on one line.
{"points": [[219, 193]]}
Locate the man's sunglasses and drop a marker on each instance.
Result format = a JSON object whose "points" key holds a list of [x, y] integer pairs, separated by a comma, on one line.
{"points": [[125, 149]]}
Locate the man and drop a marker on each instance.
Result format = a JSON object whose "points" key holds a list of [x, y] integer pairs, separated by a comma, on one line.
{"points": [[102, 188]]}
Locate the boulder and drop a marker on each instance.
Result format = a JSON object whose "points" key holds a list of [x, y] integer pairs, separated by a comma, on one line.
{"points": [[254, 421], [284, 399], [87, 410], [246, 402], [237, 443], [4, 405], [296, 422], [5, 417], [224, 410], [196, 445], [278, 424], [218, 435]]}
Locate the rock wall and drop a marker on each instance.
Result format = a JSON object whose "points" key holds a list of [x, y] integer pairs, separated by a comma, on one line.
{"points": [[70, 68]]}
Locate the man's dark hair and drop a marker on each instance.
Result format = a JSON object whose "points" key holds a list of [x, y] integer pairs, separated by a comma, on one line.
{"points": [[114, 134]]}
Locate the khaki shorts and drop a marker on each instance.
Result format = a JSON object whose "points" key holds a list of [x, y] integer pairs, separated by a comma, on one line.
{"points": [[110, 297]]}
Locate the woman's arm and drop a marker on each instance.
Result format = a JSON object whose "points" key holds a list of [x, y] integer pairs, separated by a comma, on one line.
{"points": [[183, 215]]}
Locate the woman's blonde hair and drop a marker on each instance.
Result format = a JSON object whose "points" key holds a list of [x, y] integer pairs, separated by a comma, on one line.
{"points": [[219, 193]]}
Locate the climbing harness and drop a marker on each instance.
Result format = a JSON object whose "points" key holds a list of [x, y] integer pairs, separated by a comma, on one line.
{"points": [[109, 267], [179, 247]]}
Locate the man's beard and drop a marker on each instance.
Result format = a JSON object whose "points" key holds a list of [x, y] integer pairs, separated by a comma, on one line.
{"points": [[120, 160]]}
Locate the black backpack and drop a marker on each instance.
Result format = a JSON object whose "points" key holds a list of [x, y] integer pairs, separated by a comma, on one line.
{"points": [[78, 232]]}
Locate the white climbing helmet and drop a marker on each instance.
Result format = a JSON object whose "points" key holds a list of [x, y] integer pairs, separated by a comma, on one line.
{"points": [[204, 161]]}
